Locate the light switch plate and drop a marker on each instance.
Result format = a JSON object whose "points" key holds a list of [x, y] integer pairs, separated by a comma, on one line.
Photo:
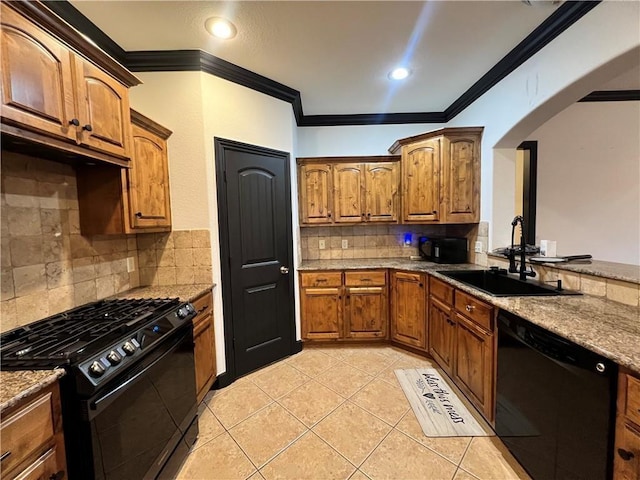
{"points": [[321, 244], [345, 243], [478, 247]]}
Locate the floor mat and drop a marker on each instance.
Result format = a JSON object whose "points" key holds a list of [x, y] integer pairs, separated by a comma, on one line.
{"points": [[437, 407]]}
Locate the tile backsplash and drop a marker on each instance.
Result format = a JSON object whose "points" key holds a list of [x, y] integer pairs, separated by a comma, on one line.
{"points": [[373, 241], [49, 267]]}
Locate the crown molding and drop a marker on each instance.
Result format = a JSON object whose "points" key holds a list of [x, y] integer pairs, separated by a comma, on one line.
{"points": [[195, 60], [612, 96]]}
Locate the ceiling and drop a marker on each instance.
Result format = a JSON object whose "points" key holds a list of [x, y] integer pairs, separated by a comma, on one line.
{"points": [[338, 54]]}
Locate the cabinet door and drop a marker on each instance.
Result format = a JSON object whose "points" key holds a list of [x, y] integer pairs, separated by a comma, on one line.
{"points": [[381, 191], [348, 186], [321, 313], [366, 312], [103, 110], [474, 364], [45, 467], [626, 463], [148, 181], [442, 329], [37, 81], [408, 310], [204, 353], [421, 181], [461, 180], [315, 187]]}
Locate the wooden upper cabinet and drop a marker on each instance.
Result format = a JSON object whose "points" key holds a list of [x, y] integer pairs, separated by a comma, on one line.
{"points": [[461, 179], [348, 199], [103, 105], [315, 193], [333, 190], [382, 181], [441, 176], [129, 200], [59, 90], [408, 309], [148, 177], [37, 80], [421, 181]]}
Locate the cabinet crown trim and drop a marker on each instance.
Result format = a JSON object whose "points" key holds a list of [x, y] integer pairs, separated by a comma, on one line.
{"points": [[150, 125], [395, 148], [354, 159]]}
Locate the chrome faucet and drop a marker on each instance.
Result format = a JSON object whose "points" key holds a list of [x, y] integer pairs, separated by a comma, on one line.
{"points": [[513, 267]]}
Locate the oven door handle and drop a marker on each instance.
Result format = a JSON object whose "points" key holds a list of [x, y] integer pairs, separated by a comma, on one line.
{"points": [[98, 405]]}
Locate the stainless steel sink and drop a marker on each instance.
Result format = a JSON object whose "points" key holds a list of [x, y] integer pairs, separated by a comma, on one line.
{"points": [[499, 284]]}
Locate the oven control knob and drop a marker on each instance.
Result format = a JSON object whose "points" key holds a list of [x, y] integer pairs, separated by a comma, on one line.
{"points": [[96, 369], [129, 348], [183, 312], [114, 357]]}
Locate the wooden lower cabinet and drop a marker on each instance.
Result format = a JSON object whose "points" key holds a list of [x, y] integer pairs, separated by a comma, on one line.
{"points": [[32, 438], [408, 309], [474, 364], [626, 462], [321, 313], [351, 305], [204, 350], [365, 312], [442, 334]]}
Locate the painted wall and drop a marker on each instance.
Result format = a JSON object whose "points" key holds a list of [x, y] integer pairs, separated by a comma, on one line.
{"points": [[588, 180], [600, 46], [198, 107]]}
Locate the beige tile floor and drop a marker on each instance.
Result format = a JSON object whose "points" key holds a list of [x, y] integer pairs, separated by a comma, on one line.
{"points": [[332, 413]]}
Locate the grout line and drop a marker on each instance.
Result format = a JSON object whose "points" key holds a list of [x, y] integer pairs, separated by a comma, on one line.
{"points": [[331, 447]]}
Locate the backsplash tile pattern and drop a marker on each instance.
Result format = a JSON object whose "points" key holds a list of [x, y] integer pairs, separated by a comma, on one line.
{"points": [[371, 241], [179, 257], [47, 266]]}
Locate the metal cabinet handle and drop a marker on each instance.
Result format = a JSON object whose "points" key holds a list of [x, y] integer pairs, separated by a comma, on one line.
{"points": [[57, 476], [321, 280], [75, 122], [284, 270], [139, 214], [5, 455], [87, 127], [625, 454], [470, 308]]}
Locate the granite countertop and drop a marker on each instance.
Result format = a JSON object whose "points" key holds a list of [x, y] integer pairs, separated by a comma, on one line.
{"points": [[14, 386], [597, 268], [609, 328], [185, 293]]}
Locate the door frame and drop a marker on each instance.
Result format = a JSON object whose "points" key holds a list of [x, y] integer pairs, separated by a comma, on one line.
{"points": [[221, 145]]}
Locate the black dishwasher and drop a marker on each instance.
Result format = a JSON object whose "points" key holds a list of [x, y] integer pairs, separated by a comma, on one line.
{"points": [[555, 406]]}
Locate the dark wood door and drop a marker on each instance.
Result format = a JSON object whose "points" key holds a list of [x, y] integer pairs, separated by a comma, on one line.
{"points": [[254, 208]]}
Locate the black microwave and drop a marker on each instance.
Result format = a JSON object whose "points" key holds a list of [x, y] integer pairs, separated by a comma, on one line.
{"points": [[443, 249]]}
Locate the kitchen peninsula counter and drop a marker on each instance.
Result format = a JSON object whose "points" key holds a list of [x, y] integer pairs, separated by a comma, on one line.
{"points": [[14, 386], [606, 327]]}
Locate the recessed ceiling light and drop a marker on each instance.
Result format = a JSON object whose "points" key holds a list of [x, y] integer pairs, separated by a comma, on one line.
{"points": [[220, 27], [399, 73]]}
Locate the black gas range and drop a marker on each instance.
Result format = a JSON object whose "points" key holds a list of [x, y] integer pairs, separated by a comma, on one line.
{"points": [[129, 396]]}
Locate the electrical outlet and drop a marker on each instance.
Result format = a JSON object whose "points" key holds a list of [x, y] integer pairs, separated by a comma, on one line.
{"points": [[131, 264], [321, 244], [345, 243], [478, 247]]}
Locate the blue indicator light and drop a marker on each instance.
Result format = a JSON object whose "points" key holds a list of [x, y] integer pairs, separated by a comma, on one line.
{"points": [[155, 329], [407, 239]]}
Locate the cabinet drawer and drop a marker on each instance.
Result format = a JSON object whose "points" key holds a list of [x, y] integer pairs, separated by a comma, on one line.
{"points": [[26, 431], [632, 409], [475, 310], [203, 303], [441, 290], [365, 278], [321, 279]]}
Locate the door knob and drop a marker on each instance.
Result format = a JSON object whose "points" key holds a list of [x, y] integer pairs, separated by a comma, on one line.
{"points": [[284, 270]]}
